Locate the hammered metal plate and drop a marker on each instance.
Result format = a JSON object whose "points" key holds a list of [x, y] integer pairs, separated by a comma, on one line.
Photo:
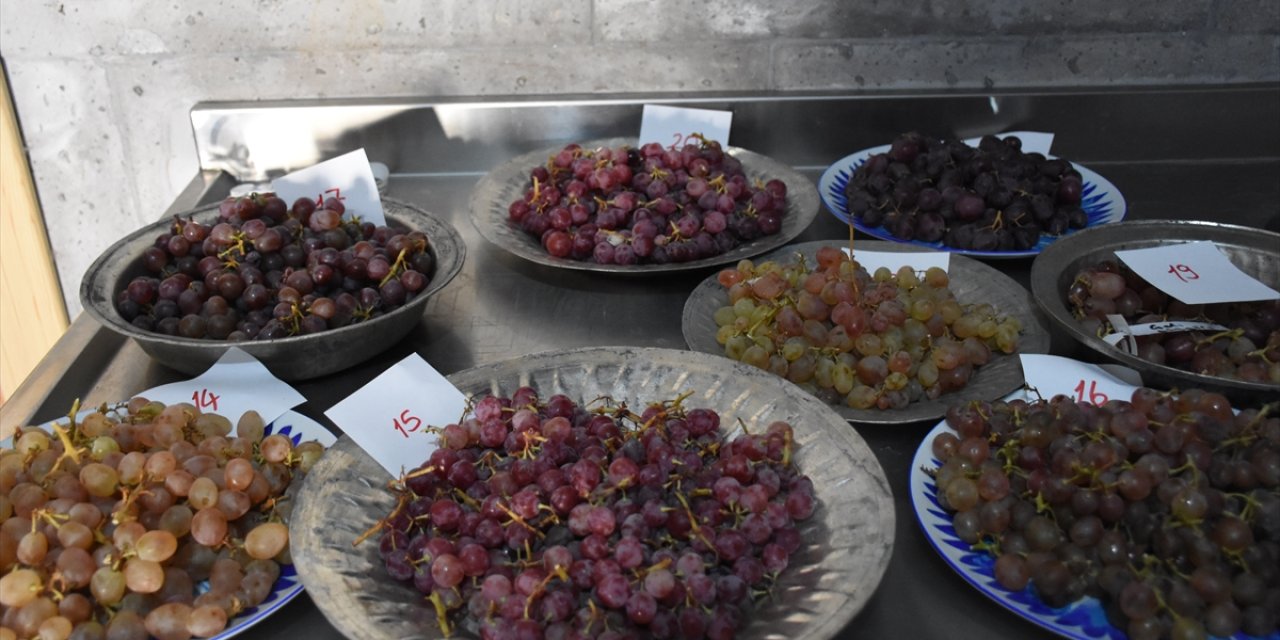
{"points": [[972, 282], [848, 540], [507, 183], [1255, 251], [292, 358]]}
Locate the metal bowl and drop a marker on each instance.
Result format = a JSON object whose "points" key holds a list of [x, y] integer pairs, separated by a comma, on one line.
{"points": [[507, 183], [292, 358], [972, 282], [1254, 251], [848, 541]]}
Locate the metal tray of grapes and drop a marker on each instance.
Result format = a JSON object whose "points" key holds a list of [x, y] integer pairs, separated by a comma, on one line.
{"points": [[831, 577], [1255, 251], [293, 358], [508, 181], [971, 281]]}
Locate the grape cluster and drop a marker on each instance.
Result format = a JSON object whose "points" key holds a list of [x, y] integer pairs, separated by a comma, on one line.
{"points": [[264, 271], [1249, 348], [1165, 507], [868, 341], [646, 206], [113, 525], [990, 198], [561, 521]]}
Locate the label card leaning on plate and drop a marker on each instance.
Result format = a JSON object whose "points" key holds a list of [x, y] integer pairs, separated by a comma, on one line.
{"points": [[1055, 375], [894, 260], [347, 177], [236, 383], [388, 417], [1195, 273], [673, 127]]}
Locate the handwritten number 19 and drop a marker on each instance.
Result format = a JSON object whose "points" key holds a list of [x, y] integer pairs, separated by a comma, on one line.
{"points": [[1183, 272]]}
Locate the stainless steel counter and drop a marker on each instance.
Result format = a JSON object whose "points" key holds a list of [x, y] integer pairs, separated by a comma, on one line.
{"points": [[1178, 154]]}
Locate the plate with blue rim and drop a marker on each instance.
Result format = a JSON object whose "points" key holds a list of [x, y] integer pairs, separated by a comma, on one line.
{"points": [[1083, 619], [298, 428], [1100, 199]]}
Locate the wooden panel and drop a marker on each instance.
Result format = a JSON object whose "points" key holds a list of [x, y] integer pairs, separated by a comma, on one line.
{"points": [[32, 313]]}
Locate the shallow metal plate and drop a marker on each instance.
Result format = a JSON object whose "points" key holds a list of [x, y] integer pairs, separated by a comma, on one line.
{"points": [[507, 183], [972, 282], [292, 358], [1255, 251], [848, 540]]}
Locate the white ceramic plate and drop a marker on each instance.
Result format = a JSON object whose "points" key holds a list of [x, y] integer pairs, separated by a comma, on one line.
{"points": [[1100, 199], [1083, 619], [298, 428]]}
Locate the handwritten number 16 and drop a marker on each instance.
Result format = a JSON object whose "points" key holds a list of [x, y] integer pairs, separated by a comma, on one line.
{"points": [[1183, 272], [1090, 394]]}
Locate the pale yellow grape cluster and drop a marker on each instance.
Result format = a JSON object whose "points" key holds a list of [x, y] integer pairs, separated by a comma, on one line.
{"points": [[879, 340], [111, 522]]}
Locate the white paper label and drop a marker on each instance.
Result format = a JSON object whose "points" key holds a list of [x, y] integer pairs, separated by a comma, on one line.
{"points": [[1055, 375], [388, 417], [1032, 141], [673, 127], [1126, 330], [347, 177], [236, 383], [894, 260], [1195, 273]]}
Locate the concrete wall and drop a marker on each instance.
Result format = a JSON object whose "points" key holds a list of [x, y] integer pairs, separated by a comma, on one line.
{"points": [[103, 88]]}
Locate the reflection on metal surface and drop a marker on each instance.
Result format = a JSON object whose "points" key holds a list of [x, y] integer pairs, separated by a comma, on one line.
{"points": [[256, 144], [847, 544]]}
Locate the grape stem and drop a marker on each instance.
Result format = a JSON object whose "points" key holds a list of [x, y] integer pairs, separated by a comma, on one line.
{"points": [[442, 614], [515, 517], [401, 501], [396, 268]]}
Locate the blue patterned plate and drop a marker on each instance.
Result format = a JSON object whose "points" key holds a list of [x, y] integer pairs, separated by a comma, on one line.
{"points": [[1100, 199], [1081, 620], [298, 428]]}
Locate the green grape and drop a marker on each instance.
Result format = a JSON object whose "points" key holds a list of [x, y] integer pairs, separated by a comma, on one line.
{"points": [[906, 277], [724, 333], [756, 356], [869, 344], [737, 346], [936, 277], [724, 316], [861, 397], [101, 446], [794, 347]]}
